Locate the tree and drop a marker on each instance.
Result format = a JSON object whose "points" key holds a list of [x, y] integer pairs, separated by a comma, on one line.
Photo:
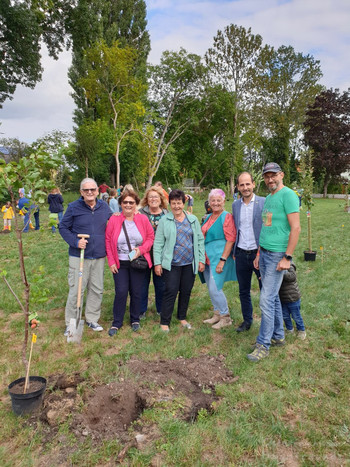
{"points": [[287, 83], [113, 90], [327, 132], [16, 148], [174, 84], [232, 60], [23, 25]]}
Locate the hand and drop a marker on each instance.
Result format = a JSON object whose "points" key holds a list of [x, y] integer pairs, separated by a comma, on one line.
{"points": [[158, 270], [256, 262], [137, 253], [113, 268], [283, 265], [220, 267], [82, 243], [201, 267]]}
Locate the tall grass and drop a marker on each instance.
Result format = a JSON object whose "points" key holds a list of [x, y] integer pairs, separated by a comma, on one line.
{"points": [[290, 409]]}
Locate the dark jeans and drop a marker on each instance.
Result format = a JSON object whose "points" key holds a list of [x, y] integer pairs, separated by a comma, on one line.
{"points": [[180, 281], [158, 282], [127, 281], [244, 271], [292, 309], [36, 218]]}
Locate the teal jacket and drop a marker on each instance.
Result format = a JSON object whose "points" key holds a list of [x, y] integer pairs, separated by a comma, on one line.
{"points": [[164, 243]]}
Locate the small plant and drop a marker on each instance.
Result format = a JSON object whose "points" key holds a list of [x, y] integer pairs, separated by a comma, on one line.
{"points": [[34, 173], [307, 184]]}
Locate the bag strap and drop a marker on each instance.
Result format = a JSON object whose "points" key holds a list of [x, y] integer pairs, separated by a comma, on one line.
{"points": [[127, 237]]}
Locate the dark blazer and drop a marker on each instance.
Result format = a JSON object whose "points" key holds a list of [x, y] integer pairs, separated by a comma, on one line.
{"points": [[257, 218]]}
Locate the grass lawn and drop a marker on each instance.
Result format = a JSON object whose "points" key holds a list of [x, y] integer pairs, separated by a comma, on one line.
{"points": [[291, 409]]}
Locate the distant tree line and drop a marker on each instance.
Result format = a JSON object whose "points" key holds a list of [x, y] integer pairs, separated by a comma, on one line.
{"points": [[240, 105]]}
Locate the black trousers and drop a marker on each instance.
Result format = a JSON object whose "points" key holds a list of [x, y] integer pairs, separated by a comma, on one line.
{"points": [[178, 281]]}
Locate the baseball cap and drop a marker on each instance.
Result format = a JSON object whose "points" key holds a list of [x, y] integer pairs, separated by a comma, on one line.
{"points": [[271, 167]]}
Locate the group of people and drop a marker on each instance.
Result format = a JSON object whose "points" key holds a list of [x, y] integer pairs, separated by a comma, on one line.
{"points": [[167, 242]]}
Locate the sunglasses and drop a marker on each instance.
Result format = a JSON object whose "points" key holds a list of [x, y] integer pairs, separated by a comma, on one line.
{"points": [[128, 202], [86, 190]]}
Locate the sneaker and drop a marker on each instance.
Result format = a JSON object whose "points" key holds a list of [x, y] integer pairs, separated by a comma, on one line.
{"points": [[243, 327], [135, 326], [66, 332], [225, 320], [278, 342], [94, 326], [143, 316], [113, 331], [290, 331], [301, 335], [258, 353]]}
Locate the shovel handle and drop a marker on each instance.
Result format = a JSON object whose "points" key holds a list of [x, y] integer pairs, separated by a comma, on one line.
{"points": [[80, 284]]}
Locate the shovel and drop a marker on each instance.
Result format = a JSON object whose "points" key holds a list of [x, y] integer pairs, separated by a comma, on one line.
{"points": [[76, 326]]}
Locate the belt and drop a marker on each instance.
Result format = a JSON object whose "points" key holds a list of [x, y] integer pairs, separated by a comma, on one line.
{"points": [[248, 252]]}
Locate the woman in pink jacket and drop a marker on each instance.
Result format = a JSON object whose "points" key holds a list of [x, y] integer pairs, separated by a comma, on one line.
{"points": [[137, 232]]}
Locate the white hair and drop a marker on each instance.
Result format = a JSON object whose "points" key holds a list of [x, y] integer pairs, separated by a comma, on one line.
{"points": [[87, 180]]}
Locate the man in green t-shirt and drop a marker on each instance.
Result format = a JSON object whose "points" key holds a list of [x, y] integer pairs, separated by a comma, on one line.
{"points": [[278, 239]]}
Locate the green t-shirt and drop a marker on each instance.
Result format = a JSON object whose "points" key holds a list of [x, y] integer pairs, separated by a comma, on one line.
{"points": [[275, 231]]}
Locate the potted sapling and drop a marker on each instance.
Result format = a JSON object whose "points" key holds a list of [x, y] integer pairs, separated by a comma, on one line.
{"points": [[33, 174], [307, 184]]}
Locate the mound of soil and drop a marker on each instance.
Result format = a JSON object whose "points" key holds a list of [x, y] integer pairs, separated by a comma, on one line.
{"points": [[181, 386]]}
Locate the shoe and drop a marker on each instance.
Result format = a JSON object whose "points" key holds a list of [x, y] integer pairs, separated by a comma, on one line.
{"points": [[215, 319], [66, 332], [135, 326], [243, 327], [301, 335], [186, 326], [112, 331], [289, 331], [143, 316], [278, 342], [94, 326], [258, 353], [225, 320], [166, 329]]}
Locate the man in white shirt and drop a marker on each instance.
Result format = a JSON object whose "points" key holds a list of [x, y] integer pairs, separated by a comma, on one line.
{"points": [[248, 220]]}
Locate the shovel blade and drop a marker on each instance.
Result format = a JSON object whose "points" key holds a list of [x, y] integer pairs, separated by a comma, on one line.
{"points": [[75, 332]]}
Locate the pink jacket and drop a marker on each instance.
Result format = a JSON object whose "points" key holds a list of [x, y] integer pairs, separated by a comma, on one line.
{"points": [[113, 229]]}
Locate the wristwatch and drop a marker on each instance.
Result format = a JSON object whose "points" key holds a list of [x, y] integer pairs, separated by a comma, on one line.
{"points": [[288, 257]]}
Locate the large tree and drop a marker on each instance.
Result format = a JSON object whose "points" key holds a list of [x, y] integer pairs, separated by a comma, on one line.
{"points": [[328, 133], [24, 24]]}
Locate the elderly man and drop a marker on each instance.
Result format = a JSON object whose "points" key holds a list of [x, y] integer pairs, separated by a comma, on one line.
{"points": [[248, 221], [87, 215], [278, 239]]}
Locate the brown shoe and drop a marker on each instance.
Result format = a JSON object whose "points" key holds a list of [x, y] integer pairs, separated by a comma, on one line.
{"points": [[215, 319], [225, 320]]}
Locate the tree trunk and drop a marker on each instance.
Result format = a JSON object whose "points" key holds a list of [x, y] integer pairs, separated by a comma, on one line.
{"points": [[117, 164], [149, 181], [325, 185]]}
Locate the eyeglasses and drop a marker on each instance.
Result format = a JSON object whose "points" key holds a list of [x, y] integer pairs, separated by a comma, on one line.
{"points": [[273, 176], [86, 190], [128, 202]]}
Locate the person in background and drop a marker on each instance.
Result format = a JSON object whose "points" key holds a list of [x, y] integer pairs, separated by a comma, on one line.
{"points": [[128, 280], [178, 255], [247, 214], [291, 300], [219, 236], [154, 206], [112, 201], [8, 215], [190, 203], [24, 206], [55, 201], [87, 215], [165, 193], [103, 189]]}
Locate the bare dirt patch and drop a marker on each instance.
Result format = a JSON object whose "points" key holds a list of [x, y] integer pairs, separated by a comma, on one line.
{"points": [[182, 387]]}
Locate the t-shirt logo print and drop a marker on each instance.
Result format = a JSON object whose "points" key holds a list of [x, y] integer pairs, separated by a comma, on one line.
{"points": [[267, 218]]}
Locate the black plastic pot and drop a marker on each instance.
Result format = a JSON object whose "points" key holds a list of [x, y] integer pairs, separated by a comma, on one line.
{"points": [[309, 255], [27, 403]]}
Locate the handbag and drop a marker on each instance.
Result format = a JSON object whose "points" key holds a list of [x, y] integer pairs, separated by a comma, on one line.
{"points": [[139, 263]]}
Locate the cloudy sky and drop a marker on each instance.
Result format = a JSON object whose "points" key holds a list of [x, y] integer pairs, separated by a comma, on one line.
{"points": [[317, 27]]}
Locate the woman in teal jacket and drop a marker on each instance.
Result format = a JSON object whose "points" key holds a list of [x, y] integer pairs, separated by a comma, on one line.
{"points": [[179, 254]]}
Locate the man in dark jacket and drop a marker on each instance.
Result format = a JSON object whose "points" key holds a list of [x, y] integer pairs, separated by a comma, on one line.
{"points": [[87, 215]]}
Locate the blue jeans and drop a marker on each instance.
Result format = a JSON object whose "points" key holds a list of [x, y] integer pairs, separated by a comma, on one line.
{"points": [[26, 221], [271, 326], [60, 215], [217, 297], [244, 271], [158, 282], [292, 310]]}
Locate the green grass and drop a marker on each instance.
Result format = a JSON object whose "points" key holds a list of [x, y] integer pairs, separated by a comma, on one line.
{"points": [[290, 409]]}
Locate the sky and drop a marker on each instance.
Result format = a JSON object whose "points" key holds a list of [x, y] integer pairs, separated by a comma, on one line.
{"points": [[317, 27]]}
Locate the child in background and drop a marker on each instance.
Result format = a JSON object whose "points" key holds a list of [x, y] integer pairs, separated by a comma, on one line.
{"points": [[189, 200], [8, 215], [290, 301]]}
